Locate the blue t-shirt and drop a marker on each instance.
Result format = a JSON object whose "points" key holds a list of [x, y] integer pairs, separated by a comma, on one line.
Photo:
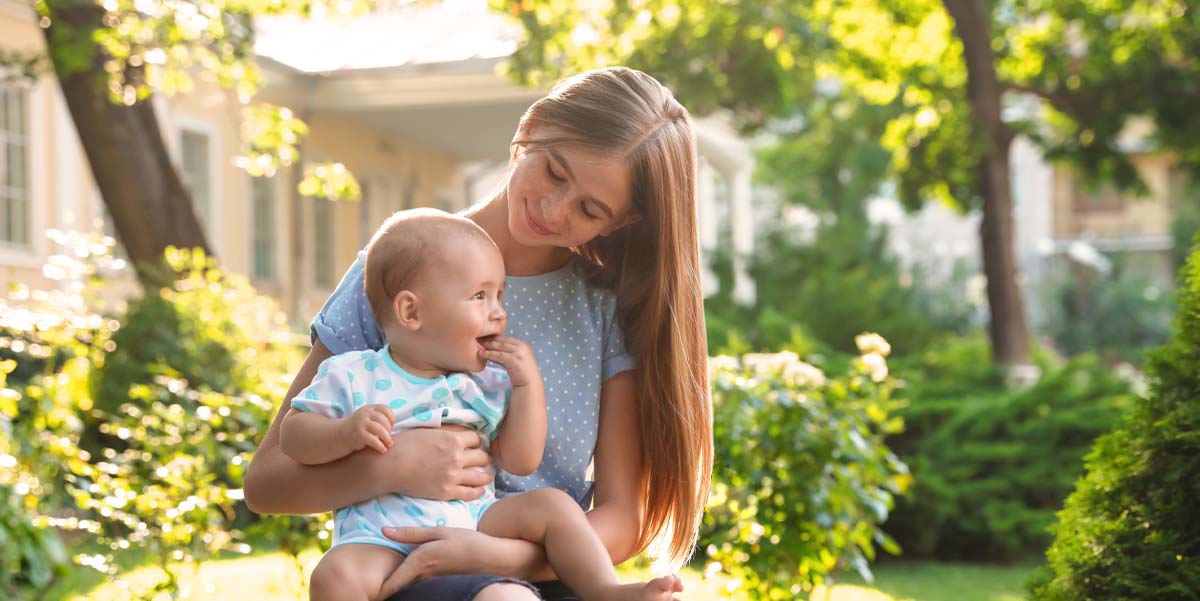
{"points": [[572, 328]]}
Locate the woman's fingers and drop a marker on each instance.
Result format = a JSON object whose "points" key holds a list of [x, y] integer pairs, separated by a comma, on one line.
{"points": [[415, 536], [473, 458], [466, 493]]}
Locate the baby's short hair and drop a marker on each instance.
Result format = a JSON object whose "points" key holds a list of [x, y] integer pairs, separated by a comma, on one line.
{"points": [[404, 248]]}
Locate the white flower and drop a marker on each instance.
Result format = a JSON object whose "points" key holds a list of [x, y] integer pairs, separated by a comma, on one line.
{"points": [[768, 364], [870, 342], [875, 365], [804, 374], [722, 363]]}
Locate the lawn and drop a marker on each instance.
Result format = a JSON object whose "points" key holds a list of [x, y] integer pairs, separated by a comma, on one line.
{"points": [[271, 576]]}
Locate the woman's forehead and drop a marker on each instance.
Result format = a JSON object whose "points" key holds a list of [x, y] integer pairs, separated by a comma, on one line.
{"points": [[603, 176]]}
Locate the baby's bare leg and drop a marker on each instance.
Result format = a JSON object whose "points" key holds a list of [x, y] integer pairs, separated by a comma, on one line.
{"points": [[553, 519], [353, 572]]}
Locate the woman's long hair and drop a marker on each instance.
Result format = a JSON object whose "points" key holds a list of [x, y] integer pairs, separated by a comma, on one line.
{"points": [[653, 264]]}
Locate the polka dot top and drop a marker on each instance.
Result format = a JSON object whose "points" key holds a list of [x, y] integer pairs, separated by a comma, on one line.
{"points": [[573, 330]]}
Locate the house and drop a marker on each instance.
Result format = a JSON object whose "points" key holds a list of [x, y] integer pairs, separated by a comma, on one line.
{"points": [[409, 100]]}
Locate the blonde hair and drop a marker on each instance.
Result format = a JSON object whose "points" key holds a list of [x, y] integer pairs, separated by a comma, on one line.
{"points": [[653, 263], [402, 249]]}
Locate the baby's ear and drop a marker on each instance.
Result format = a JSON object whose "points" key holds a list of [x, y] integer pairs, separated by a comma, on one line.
{"points": [[406, 308]]}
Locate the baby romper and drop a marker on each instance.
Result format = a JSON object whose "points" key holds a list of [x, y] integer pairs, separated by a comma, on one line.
{"points": [[474, 400]]}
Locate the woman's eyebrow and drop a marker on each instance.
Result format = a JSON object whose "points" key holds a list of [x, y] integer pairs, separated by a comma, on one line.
{"points": [[562, 161]]}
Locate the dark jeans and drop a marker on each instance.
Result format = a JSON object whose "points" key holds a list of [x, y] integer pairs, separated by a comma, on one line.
{"points": [[464, 588]]}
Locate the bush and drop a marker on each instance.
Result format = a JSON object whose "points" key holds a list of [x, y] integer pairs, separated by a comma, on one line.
{"points": [[992, 465], [802, 478], [114, 440], [1130, 528], [828, 290], [1117, 315]]}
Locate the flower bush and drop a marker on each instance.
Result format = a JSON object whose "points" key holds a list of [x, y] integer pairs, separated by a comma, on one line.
{"points": [[134, 425], [803, 479]]}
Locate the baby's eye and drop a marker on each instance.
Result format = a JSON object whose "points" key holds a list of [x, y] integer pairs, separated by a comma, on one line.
{"points": [[478, 296]]}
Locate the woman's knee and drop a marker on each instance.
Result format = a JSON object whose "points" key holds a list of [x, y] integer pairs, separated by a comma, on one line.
{"points": [[505, 591]]}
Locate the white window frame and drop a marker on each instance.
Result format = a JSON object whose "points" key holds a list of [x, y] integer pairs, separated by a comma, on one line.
{"points": [[212, 229], [277, 246], [33, 253]]}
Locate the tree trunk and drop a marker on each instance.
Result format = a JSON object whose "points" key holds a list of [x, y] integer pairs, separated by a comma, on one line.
{"points": [[1008, 329], [149, 205]]}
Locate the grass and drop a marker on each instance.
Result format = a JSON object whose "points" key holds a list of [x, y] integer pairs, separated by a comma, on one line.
{"points": [[931, 581], [270, 576]]}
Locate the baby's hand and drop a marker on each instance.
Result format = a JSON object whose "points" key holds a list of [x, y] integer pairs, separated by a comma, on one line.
{"points": [[516, 356], [370, 426]]}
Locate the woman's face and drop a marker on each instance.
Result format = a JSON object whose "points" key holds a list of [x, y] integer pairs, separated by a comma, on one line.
{"points": [[567, 196]]}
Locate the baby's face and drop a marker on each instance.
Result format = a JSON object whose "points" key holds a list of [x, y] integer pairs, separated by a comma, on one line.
{"points": [[461, 305]]}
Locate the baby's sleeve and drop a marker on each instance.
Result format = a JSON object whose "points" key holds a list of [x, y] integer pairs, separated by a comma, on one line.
{"points": [[496, 391], [346, 323], [331, 391]]}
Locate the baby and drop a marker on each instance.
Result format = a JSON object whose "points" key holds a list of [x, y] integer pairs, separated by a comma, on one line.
{"points": [[434, 282]]}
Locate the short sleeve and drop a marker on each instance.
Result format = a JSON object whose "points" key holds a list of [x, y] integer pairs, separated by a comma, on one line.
{"points": [[616, 358], [496, 390], [345, 323], [331, 393]]}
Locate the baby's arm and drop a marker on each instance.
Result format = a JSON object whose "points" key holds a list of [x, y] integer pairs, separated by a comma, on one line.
{"points": [[522, 439], [318, 430], [313, 439]]}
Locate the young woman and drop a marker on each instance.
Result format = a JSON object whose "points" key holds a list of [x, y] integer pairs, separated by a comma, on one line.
{"points": [[596, 222]]}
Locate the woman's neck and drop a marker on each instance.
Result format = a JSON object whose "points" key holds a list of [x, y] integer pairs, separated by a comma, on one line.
{"points": [[519, 260]]}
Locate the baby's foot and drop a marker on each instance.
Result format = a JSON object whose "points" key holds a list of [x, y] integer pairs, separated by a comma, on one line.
{"points": [[662, 589], [659, 589]]}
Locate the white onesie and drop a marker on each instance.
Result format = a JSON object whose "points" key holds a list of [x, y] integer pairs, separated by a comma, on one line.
{"points": [[474, 400]]}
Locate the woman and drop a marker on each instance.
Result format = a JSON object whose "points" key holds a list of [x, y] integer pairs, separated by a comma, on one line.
{"points": [[596, 223]]}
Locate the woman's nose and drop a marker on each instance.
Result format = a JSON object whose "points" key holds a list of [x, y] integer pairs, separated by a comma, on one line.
{"points": [[554, 207]]}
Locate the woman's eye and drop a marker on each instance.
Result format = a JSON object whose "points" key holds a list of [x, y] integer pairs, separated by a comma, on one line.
{"points": [[586, 213], [554, 176]]}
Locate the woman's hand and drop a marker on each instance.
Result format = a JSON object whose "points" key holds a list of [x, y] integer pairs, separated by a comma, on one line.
{"points": [[445, 551], [443, 464]]}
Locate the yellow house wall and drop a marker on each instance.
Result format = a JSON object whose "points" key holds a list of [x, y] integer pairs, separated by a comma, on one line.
{"points": [[63, 192], [1142, 217]]}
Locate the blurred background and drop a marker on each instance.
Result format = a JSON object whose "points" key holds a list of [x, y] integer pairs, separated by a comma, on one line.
{"points": [[1004, 192]]}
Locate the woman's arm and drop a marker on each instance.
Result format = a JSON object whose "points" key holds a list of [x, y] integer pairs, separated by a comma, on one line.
{"points": [[616, 514], [274, 483]]}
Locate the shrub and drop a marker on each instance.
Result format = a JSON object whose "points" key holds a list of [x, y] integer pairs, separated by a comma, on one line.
{"points": [[1117, 315], [992, 465], [802, 478], [1129, 530], [113, 439]]}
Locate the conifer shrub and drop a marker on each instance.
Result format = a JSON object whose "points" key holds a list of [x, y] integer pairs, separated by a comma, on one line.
{"points": [[1131, 528]]}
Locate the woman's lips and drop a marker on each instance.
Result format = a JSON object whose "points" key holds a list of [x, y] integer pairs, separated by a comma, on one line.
{"points": [[537, 228]]}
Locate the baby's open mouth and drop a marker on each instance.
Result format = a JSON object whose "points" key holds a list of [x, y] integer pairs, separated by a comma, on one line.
{"points": [[484, 340]]}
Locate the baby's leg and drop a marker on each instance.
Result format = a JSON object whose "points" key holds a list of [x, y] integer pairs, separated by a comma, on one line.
{"points": [[550, 517], [353, 572]]}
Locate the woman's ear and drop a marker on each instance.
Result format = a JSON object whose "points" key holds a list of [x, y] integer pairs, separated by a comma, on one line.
{"points": [[406, 308], [624, 220]]}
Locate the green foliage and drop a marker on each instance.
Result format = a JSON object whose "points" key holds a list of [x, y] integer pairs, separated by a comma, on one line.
{"points": [[991, 465], [138, 430], [803, 478], [1118, 314], [842, 283], [1129, 530]]}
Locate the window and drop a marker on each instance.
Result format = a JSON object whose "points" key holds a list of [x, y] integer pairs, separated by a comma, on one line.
{"points": [[323, 242], [14, 166], [262, 236], [196, 170]]}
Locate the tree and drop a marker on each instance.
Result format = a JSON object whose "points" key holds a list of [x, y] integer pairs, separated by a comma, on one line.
{"points": [[111, 56], [1086, 66]]}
